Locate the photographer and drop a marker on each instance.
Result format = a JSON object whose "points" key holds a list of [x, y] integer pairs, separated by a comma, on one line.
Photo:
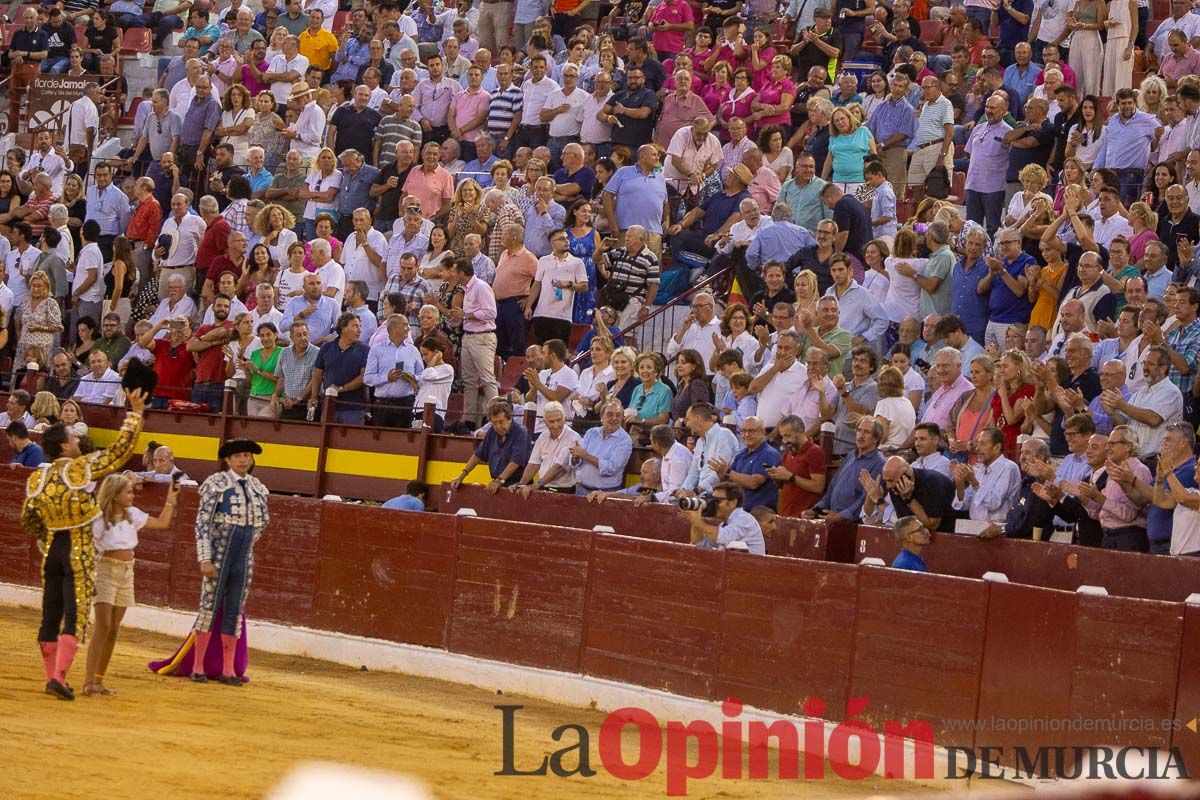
{"points": [[721, 520]]}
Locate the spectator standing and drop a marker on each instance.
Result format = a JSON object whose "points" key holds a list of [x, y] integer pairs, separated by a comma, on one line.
{"points": [[637, 195], [559, 275], [478, 354], [207, 346], [1125, 146], [393, 367], [341, 366]]}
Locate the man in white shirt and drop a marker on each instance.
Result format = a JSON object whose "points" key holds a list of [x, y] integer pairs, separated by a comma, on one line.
{"points": [[286, 70], [535, 94], [675, 460], [698, 328], [87, 289], [175, 304], [558, 277], [1109, 222], [333, 277], [691, 154], [184, 92], [185, 231], [556, 383], [83, 124], [1149, 410], [363, 254], [592, 131], [780, 381], [550, 459], [264, 308], [45, 160], [100, 384], [562, 111], [306, 133]]}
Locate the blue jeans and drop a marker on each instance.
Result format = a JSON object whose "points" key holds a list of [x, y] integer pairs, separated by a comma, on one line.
{"points": [[510, 328], [56, 66], [349, 414], [126, 20], [987, 206], [211, 393], [984, 15], [164, 27]]}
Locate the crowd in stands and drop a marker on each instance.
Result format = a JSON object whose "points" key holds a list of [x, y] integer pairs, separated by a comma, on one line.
{"points": [[961, 238]]}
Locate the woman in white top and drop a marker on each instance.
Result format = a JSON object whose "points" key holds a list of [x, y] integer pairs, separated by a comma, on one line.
{"points": [[875, 279], [71, 415], [274, 226], [289, 282], [876, 93], [893, 411], [775, 155], [914, 381], [243, 343], [1084, 140], [1033, 179], [236, 118], [275, 45], [434, 383], [116, 536], [599, 371], [430, 267], [321, 190], [904, 293], [735, 335]]}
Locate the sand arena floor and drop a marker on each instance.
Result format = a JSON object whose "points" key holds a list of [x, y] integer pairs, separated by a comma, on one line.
{"points": [[167, 738]]}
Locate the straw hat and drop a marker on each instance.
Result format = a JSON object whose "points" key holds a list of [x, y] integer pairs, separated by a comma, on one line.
{"points": [[300, 90]]}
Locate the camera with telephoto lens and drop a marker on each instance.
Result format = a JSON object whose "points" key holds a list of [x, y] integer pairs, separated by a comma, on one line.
{"points": [[706, 504]]}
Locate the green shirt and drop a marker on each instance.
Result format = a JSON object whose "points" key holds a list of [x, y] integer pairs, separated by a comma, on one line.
{"points": [[840, 338], [939, 265], [260, 386]]}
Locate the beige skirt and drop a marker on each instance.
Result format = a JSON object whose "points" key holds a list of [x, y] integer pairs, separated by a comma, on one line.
{"points": [[114, 582]]}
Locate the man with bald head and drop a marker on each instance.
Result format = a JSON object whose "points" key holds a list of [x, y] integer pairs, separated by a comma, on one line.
{"points": [[988, 163], [923, 493], [750, 465], [637, 195], [1072, 318]]}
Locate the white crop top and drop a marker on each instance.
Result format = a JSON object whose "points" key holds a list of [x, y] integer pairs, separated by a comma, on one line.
{"points": [[121, 535]]}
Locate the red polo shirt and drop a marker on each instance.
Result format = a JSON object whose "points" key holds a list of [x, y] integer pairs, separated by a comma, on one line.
{"points": [[174, 366], [210, 363], [809, 461]]}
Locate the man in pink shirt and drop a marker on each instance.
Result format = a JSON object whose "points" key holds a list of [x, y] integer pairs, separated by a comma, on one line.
{"points": [[431, 183], [1052, 58], [477, 357], [468, 114], [1183, 59], [947, 365]]}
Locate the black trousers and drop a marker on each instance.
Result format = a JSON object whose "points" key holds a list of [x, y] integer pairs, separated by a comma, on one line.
{"points": [[393, 412], [545, 329], [1130, 539], [532, 136], [59, 608]]}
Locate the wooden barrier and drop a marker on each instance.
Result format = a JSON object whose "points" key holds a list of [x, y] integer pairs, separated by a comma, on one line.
{"points": [[1055, 566], [651, 521], [774, 632]]}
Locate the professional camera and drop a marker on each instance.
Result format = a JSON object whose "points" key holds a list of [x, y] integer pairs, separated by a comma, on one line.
{"points": [[706, 504]]}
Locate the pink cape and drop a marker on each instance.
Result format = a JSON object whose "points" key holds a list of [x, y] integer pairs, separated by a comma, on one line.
{"points": [[181, 662]]}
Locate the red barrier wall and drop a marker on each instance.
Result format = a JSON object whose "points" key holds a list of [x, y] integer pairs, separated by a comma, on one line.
{"points": [[770, 631], [519, 592], [654, 614], [787, 633], [1056, 566], [918, 648], [651, 521]]}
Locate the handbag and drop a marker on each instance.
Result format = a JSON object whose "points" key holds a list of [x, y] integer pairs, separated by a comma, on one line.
{"points": [[937, 183]]}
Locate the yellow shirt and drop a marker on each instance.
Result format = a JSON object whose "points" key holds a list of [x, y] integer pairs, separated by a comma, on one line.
{"points": [[319, 48]]}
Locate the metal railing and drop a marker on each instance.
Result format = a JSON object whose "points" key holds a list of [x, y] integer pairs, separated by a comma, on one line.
{"points": [[653, 331]]}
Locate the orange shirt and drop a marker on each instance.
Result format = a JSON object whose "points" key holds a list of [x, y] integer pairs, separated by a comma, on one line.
{"points": [[318, 48], [514, 274], [145, 222]]}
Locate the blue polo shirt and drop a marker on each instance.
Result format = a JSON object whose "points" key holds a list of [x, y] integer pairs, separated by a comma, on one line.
{"points": [[755, 463], [910, 561], [1159, 521], [498, 454], [639, 198], [720, 207], [31, 456], [1006, 307], [339, 367], [967, 304]]}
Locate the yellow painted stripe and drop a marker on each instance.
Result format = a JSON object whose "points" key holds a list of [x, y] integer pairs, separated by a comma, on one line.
{"points": [[204, 448], [370, 465], [439, 472]]}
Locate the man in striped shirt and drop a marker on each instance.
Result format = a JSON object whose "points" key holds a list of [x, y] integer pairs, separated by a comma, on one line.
{"points": [[504, 111], [632, 272]]}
